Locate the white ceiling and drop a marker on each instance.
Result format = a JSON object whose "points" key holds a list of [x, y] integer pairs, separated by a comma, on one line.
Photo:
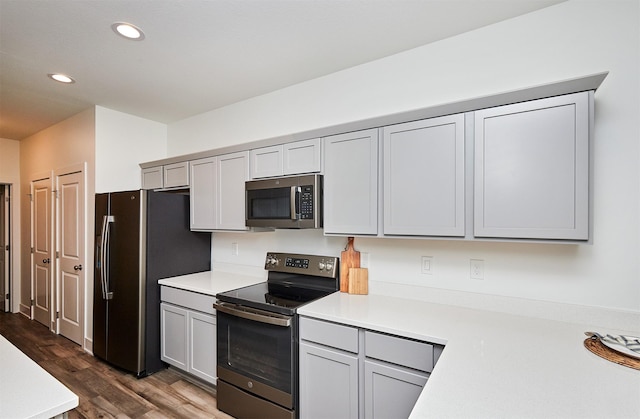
{"points": [[201, 55]]}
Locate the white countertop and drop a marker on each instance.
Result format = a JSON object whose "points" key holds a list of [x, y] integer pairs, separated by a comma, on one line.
{"points": [[497, 365], [27, 390], [211, 282]]}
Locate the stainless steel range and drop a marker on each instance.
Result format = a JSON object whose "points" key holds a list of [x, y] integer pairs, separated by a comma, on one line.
{"points": [[257, 335]]}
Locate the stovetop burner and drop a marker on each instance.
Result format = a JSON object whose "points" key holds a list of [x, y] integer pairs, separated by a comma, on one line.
{"points": [[293, 280]]}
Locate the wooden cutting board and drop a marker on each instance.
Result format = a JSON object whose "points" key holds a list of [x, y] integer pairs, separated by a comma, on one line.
{"points": [[349, 258], [358, 281]]}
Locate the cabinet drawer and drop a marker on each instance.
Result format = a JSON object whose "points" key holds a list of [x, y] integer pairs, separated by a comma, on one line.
{"points": [[400, 351], [188, 299], [330, 334]]}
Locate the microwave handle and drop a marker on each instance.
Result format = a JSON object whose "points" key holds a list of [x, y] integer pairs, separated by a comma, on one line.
{"points": [[294, 199]]}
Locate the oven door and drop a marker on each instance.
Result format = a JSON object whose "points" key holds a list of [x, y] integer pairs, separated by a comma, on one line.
{"points": [[257, 352]]}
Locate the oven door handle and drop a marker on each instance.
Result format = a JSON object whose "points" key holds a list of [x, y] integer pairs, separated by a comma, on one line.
{"points": [[254, 314]]}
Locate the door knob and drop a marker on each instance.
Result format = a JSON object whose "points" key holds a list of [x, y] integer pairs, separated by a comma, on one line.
{"points": [[46, 260], [77, 267]]}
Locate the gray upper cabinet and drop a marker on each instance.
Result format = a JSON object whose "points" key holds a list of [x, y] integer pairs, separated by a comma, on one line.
{"points": [[217, 192], [513, 166], [302, 157], [351, 183], [424, 177], [232, 173], [266, 162], [202, 194], [532, 169], [176, 175], [286, 159], [152, 178], [168, 176]]}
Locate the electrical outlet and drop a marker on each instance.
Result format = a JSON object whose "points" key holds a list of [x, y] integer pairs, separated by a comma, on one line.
{"points": [[427, 265], [477, 268], [364, 259], [234, 249]]}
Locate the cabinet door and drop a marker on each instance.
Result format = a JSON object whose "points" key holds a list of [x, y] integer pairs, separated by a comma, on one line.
{"points": [[176, 175], [202, 346], [424, 177], [531, 169], [232, 173], [174, 335], [301, 157], [152, 178], [390, 392], [328, 383], [266, 162], [351, 183], [202, 194]]}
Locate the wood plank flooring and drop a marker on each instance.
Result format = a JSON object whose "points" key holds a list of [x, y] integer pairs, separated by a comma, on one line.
{"points": [[104, 391]]}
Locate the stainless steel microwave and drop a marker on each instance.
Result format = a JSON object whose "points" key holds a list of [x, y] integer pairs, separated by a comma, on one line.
{"points": [[284, 202]]}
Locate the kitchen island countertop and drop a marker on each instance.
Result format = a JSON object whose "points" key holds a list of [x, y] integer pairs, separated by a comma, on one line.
{"points": [[497, 365], [29, 391]]}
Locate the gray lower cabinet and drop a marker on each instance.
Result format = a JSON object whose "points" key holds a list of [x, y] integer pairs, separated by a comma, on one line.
{"points": [[188, 332], [329, 382], [174, 341], [348, 372], [390, 391]]}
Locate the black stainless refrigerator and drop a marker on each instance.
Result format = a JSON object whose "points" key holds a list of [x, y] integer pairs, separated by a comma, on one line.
{"points": [[141, 237]]}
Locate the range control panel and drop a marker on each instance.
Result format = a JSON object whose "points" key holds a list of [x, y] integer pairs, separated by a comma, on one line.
{"points": [[324, 266]]}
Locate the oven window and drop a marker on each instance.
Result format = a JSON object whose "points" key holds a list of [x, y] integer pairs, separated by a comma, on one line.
{"points": [[269, 204], [259, 351]]}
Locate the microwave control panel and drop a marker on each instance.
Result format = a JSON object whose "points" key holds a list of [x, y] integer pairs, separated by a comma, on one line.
{"points": [[306, 202]]}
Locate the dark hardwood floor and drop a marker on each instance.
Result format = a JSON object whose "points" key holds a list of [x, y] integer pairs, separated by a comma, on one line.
{"points": [[104, 391]]}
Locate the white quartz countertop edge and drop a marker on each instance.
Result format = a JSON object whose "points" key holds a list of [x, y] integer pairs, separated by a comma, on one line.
{"points": [[211, 282], [496, 365], [29, 391]]}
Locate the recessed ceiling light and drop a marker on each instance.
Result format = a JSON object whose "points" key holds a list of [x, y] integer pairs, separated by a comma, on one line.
{"points": [[128, 31], [62, 78]]}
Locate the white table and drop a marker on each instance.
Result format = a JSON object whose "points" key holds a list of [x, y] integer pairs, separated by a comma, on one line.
{"points": [[27, 390]]}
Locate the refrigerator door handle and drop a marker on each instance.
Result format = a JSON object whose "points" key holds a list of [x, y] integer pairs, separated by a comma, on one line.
{"points": [[106, 294]]}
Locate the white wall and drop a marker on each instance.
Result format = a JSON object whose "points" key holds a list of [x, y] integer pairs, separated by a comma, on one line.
{"points": [[10, 174], [67, 143], [124, 141], [571, 39]]}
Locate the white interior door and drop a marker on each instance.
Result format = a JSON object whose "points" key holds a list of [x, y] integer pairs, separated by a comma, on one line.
{"points": [[41, 284], [5, 304], [70, 275]]}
